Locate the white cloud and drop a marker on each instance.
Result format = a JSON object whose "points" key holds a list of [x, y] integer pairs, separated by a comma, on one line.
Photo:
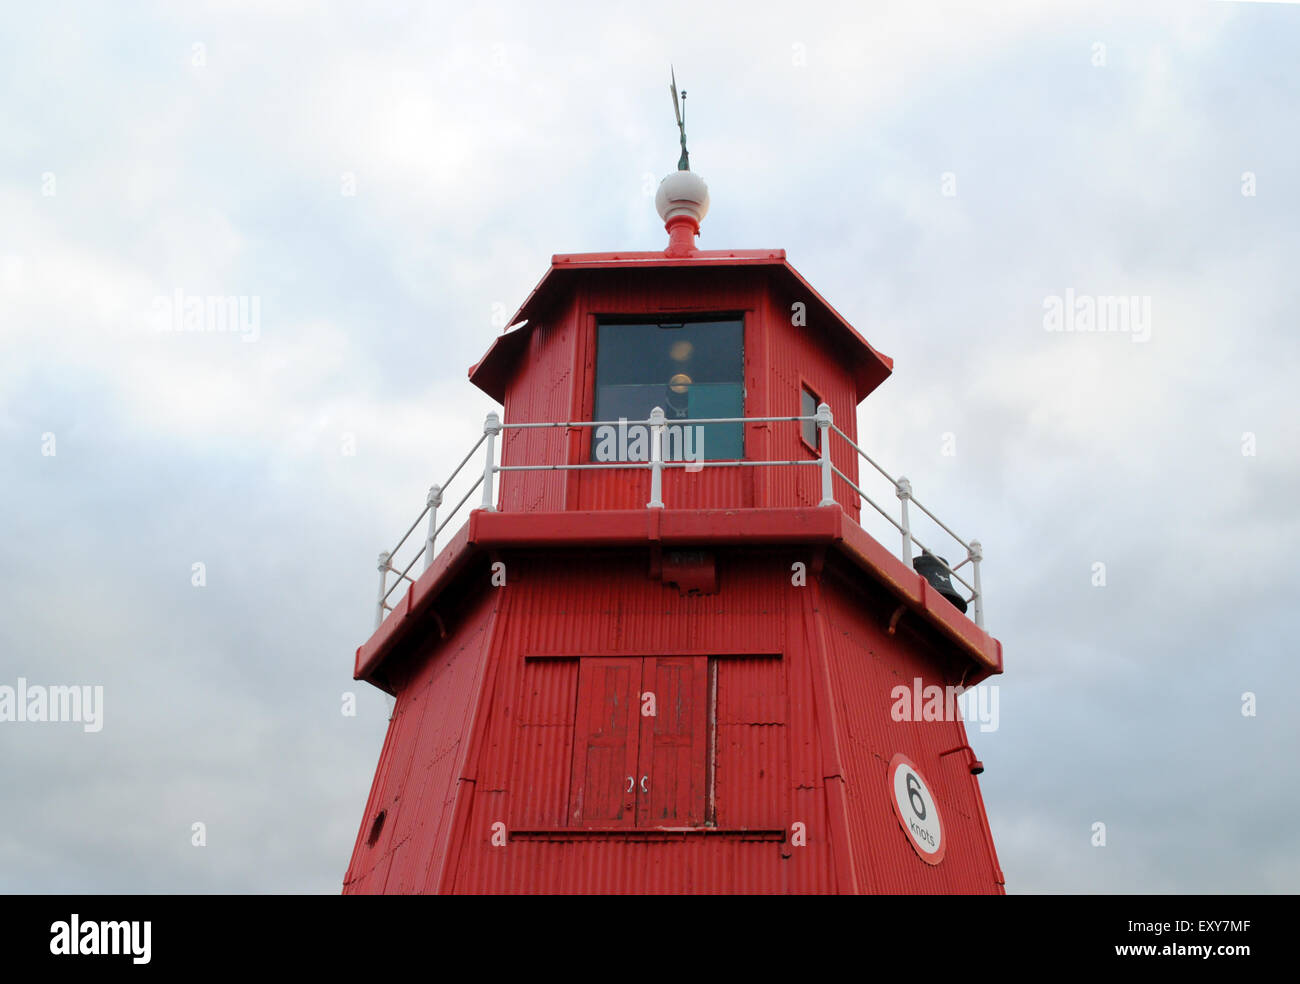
{"points": [[482, 142]]}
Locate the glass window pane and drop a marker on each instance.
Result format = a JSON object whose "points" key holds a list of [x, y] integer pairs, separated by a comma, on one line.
{"points": [[808, 407], [692, 369]]}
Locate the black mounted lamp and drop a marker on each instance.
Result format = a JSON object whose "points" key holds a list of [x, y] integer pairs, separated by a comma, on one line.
{"points": [[935, 570]]}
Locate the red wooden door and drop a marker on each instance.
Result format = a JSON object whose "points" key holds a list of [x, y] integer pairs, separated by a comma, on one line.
{"points": [[673, 747], [603, 792]]}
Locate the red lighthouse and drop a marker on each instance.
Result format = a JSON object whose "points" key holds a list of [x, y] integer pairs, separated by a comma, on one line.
{"points": [[662, 655]]}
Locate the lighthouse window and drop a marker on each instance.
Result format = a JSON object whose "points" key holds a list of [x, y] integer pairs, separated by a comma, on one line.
{"points": [[693, 369], [808, 407]]}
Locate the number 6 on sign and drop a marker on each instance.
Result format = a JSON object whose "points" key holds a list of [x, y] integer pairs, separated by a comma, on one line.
{"points": [[915, 808], [914, 796]]}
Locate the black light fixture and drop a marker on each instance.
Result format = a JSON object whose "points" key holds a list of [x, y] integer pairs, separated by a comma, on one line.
{"points": [[935, 570]]}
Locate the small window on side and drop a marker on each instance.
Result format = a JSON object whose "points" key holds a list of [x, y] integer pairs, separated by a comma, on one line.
{"points": [[808, 407]]}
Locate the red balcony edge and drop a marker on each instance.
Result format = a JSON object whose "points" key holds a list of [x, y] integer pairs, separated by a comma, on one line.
{"points": [[695, 527]]}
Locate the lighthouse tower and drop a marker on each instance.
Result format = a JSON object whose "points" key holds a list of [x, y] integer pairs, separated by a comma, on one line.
{"points": [[638, 641]]}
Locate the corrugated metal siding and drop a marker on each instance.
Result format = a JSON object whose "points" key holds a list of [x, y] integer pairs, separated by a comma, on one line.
{"points": [[866, 664], [607, 605], [481, 746], [542, 391], [540, 773], [752, 784], [611, 864], [709, 488], [576, 602], [798, 355], [415, 784]]}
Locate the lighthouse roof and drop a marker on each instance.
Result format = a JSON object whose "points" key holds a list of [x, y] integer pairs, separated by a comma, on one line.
{"points": [[492, 372]]}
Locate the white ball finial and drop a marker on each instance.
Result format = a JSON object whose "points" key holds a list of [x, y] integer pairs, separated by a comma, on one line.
{"points": [[682, 193]]}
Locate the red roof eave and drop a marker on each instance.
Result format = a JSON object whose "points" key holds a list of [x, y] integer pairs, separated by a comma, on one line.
{"points": [[490, 372]]}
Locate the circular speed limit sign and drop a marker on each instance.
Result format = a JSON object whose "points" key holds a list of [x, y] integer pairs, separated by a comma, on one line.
{"points": [[915, 808]]}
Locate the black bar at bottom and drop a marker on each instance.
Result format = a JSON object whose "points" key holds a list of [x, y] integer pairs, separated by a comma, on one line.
{"points": [[376, 937]]}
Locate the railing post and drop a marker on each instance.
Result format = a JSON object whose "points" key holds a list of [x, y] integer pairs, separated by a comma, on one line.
{"points": [[824, 420], [491, 427], [656, 459], [904, 494], [976, 554], [383, 588], [434, 500]]}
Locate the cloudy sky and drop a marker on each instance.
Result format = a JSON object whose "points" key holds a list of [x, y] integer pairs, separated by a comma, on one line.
{"points": [[384, 180]]}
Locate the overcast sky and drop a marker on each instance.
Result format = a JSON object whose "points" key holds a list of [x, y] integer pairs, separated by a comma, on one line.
{"points": [[383, 179]]}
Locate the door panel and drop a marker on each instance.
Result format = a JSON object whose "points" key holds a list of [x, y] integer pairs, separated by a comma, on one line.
{"points": [[673, 743], [605, 743]]}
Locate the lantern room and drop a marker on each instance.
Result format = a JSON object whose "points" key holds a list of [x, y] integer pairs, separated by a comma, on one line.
{"points": [[703, 336], [720, 335]]}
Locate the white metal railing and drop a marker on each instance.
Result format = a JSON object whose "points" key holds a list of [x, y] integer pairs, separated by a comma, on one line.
{"points": [[656, 464]]}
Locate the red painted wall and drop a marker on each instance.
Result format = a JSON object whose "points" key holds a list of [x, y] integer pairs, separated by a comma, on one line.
{"points": [[416, 782], [498, 727], [542, 390], [866, 662]]}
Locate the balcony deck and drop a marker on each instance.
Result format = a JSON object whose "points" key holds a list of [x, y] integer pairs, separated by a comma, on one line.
{"points": [[828, 524]]}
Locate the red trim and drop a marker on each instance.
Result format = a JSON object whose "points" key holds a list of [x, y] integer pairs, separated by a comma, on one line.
{"points": [[998, 875], [894, 764], [654, 653], [648, 833], [614, 528], [491, 372], [682, 230]]}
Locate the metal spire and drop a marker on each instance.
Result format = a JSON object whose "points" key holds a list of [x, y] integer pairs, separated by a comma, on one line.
{"points": [[683, 162]]}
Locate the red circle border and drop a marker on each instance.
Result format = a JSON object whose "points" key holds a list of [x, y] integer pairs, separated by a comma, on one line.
{"points": [[894, 763]]}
